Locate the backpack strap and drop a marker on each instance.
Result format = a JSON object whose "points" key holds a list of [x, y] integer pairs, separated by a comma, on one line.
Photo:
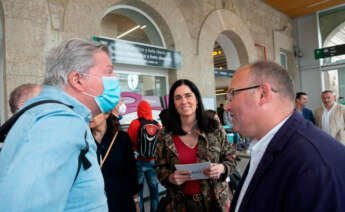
{"points": [[82, 159], [5, 128], [144, 121]]}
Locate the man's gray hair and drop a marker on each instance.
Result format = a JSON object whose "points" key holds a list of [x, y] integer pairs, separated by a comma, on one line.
{"points": [[328, 91], [72, 55], [20, 94], [272, 73]]}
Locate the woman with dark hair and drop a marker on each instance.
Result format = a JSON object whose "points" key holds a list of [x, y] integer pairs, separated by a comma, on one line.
{"points": [[212, 120], [117, 162], [186, 140]]}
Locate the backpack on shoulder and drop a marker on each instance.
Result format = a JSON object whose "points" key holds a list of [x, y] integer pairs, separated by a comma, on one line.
{"points": [[147, 138]]}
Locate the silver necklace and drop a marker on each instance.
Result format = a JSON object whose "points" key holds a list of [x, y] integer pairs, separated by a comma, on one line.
{"points": [[192, 130]]}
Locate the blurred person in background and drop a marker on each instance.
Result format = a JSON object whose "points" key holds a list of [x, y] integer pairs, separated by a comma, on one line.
{"points": [[21, 94], [331, 116], [143, 132], [117, 162], [300, 103]]}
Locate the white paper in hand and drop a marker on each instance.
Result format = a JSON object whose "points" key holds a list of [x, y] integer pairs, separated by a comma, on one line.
{"points": [[195, 169]]}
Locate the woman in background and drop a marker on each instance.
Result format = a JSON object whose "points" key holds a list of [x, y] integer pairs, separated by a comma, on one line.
{"points": [[212, 121], [187, 140], [118, 168]]}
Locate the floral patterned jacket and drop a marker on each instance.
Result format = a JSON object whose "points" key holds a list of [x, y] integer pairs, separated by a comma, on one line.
{"points": [[213, 147]]}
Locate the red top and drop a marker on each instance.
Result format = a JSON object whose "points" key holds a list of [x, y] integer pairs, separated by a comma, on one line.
{"points": [[187, 156], [144, 111]]}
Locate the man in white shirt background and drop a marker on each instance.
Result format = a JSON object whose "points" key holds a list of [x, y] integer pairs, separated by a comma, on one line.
{"points": [[331, 116]]}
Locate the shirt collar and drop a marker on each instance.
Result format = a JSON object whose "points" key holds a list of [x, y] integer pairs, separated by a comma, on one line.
{"points": [[261, 145], [330, 108]]}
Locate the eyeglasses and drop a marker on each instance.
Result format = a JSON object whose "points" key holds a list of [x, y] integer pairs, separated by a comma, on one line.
{"points": [[231, 93]]}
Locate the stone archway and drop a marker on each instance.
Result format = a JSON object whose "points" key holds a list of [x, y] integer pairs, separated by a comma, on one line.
{"points": [[229, 24]]}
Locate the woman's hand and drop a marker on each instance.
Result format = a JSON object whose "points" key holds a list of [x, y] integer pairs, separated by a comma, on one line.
{"points": [[179, 177], [136, 200], [137, 206], [214, 171]]}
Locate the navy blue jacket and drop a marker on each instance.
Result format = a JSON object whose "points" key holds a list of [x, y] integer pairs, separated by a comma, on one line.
{"points": [[308, 114], [303, 169]]}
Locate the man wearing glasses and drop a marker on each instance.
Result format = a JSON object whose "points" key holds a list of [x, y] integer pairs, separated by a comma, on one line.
{"points": [[294, 166]]}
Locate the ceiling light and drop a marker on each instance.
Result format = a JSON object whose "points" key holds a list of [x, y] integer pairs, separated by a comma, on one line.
{"points": [[218, 94], [221, 90], [129, 31], [317, 3], [143, 27]]}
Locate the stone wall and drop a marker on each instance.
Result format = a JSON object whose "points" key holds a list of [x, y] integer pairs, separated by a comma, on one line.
{"points": [[189, 26]]}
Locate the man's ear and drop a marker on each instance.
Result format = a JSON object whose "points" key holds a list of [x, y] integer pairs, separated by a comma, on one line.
{"points": [[265, 93], [76, 81]]}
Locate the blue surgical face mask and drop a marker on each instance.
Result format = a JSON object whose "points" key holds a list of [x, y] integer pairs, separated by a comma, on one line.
{"points": [[110, 96]]}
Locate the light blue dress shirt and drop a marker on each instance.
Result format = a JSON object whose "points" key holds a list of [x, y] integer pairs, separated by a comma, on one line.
{"points": [[39, 159]]}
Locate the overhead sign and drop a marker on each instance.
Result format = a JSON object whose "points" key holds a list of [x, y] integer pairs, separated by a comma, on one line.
{"points": [[329, 51], [127, 52], [223, 73]]}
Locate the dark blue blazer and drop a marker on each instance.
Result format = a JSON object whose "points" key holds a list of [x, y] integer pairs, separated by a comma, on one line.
{"points": [[308, 114], [302, 170]]}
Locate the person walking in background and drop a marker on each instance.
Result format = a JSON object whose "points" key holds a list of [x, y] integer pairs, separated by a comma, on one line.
{"points": [[186, 140], [227, 118], [117, 164], [220, 112], [300, 103], [163, 116], [212, 120], [48, 161], [21, 94], [294, 166], [144, 133], [331, 116]]}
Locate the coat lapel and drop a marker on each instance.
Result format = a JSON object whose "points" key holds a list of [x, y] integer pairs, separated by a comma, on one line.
{"points": [[332, 122], [277, 144]]}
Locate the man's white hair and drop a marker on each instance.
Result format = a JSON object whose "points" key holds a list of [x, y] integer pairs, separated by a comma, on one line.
{"points": [[72, 55]]}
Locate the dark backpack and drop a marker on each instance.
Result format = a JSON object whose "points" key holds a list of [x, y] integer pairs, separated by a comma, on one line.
{"points": [[147, 138], [5, 128]]}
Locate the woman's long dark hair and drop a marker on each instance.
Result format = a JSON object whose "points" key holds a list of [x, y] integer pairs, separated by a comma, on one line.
{"points": [[209, 121], [174, 120], [113, 124]]}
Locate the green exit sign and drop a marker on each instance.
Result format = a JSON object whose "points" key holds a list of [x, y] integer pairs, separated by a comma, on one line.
{"points": [[318, 54], [329, 51]]}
